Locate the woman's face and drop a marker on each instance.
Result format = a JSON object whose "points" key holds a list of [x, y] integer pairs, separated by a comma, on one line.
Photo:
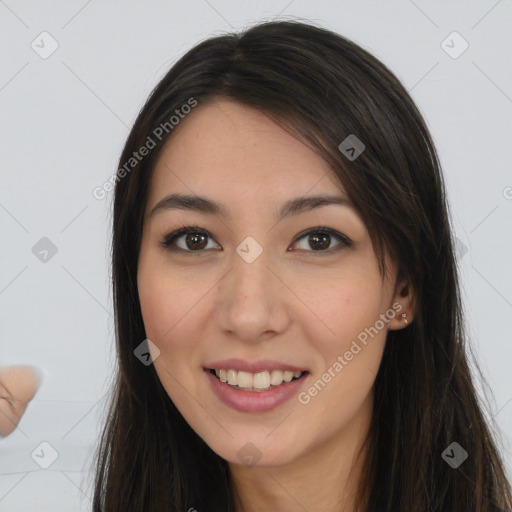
{"points": [[252, 288]]}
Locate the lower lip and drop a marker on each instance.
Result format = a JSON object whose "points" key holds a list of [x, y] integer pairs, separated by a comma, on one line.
{"points": [[254, 401]]}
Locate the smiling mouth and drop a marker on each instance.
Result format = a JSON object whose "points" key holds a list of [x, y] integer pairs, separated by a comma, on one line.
{"points": [[256, 382]]}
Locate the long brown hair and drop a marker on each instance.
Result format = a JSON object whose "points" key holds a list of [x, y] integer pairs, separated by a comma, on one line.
{"points": [[322, 88]]}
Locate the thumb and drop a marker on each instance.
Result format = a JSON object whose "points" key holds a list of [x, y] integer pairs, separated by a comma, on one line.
{"points": [[18, 385]]}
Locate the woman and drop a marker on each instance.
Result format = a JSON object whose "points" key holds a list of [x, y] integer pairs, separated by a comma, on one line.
{"points": [[289, 325]]}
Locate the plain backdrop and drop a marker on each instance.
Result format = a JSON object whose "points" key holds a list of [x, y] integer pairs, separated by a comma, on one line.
{"points": [[73, 76]]}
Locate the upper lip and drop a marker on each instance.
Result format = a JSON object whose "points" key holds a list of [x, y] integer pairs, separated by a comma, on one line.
{"points": [[252, 366]]}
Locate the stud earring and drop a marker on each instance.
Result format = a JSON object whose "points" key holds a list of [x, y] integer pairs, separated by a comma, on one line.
{"points": [[404, 318]]}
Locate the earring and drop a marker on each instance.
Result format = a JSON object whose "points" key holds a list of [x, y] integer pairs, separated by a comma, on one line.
{"points": [[404, 318]]}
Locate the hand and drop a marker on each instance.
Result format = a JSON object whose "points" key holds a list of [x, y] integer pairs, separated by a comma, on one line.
{"points": [[18, 385]]}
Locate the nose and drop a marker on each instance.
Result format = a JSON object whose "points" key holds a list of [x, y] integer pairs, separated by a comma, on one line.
{"points": [[252, 301]]}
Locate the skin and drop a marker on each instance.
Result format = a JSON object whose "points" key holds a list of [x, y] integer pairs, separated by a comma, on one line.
{"points": [[294, 304], [18, 385]]}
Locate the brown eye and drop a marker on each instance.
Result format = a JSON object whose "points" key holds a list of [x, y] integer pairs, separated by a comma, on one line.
{"points": [[319, 239], [194, 240]]}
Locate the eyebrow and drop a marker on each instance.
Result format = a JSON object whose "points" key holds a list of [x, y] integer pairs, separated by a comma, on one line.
{"points": [[204, 205]]}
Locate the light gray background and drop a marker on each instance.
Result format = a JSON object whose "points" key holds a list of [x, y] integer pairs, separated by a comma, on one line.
{"points": [[64, 120]]}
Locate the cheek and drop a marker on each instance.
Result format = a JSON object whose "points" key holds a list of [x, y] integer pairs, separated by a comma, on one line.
{"points": [[166, 305], [164, 296], [350, 337], [175, 310], [337, 314]]}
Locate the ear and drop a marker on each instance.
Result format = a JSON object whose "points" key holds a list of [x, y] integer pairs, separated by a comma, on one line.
{"points": [[403, 303]]}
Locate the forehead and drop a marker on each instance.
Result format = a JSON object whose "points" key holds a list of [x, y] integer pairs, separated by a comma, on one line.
{"points": [[225, 145]]}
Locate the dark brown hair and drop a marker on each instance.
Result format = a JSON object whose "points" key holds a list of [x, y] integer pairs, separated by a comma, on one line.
{"points": [[322, 88]]}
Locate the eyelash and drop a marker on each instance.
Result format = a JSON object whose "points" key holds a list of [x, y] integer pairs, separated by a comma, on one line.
{"points": [[169, 239]]}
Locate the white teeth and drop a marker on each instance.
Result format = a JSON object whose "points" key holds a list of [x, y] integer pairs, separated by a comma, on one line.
{"points": [[244, 380], [276, 377], [261, 380], [288, 376], [256, 381], [232, 378]]}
